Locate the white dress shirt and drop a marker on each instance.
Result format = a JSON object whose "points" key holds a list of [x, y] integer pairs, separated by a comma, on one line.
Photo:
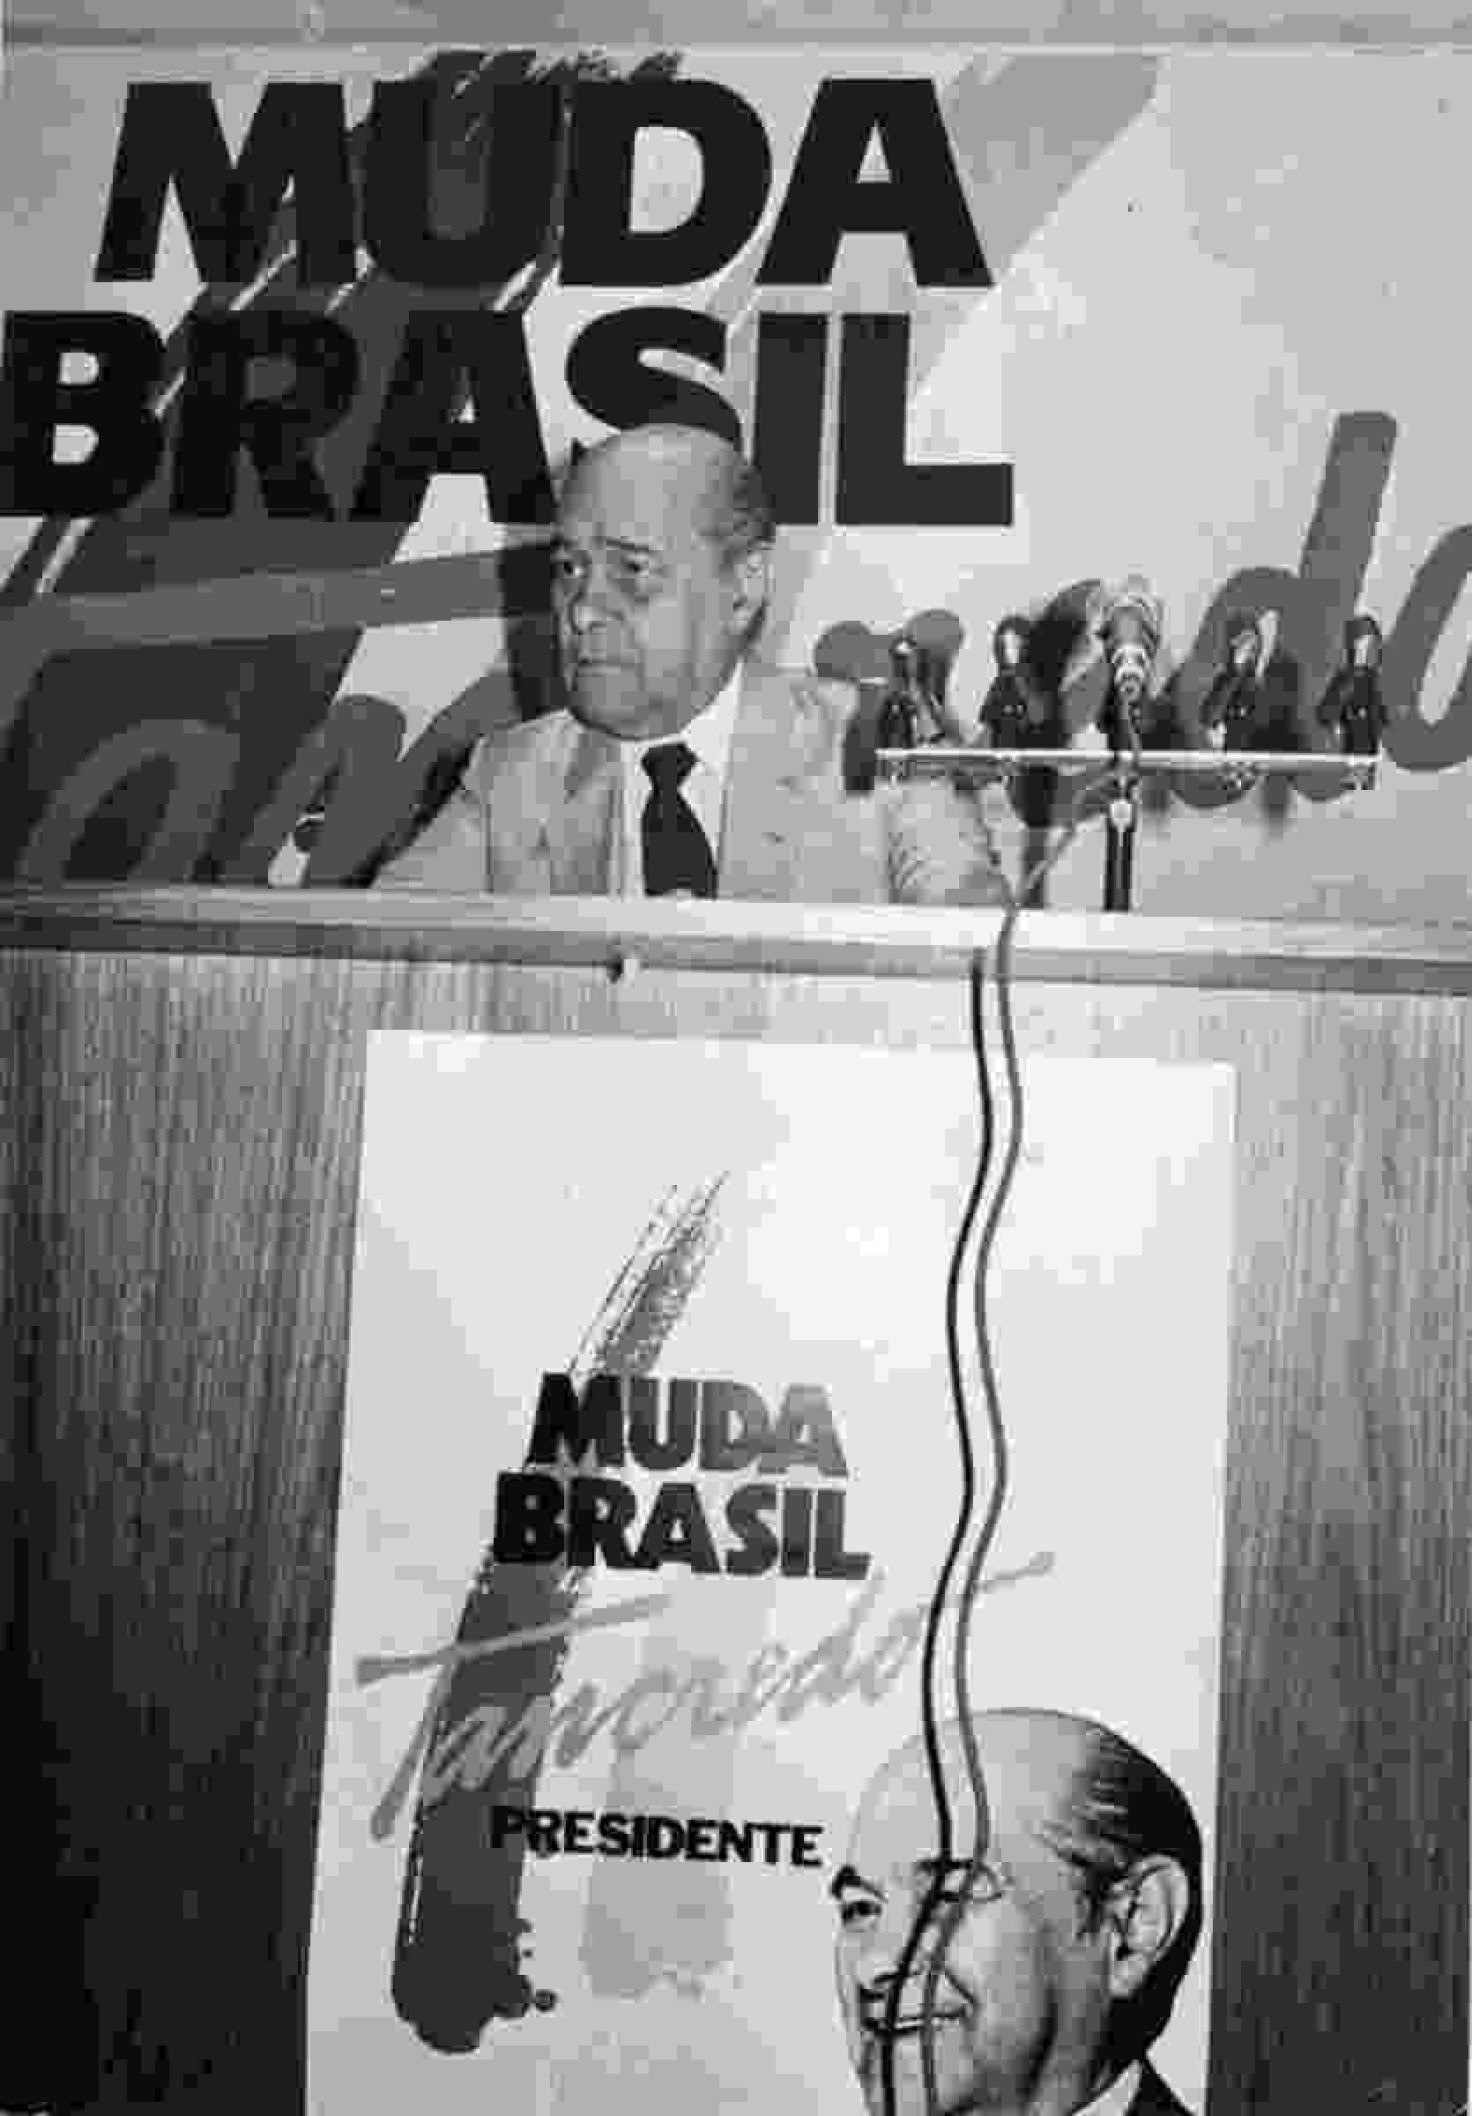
{"points": [[1115, 2099], [709, 736]]}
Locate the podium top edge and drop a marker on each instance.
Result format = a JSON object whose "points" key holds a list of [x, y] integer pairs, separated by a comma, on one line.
{"points": [[735, 938]]}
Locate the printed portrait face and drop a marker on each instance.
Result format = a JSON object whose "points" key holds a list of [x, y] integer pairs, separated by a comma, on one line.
{"points": [[1024, 1990], [650, 616]]}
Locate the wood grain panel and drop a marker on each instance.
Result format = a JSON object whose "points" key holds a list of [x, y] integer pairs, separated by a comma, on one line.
{"points": [[178, 1152]]}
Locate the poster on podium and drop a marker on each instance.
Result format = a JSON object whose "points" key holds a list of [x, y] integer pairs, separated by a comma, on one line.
{"points": [[651, 1463]]}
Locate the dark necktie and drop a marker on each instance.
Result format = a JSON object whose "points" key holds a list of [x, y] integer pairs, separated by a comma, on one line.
{"points": [[677, 852]]}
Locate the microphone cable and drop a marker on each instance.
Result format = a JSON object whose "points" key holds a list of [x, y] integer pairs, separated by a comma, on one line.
{"points": [[954, 1911], [930, 1722]]}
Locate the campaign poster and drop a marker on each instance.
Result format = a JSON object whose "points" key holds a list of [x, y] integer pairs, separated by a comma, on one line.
{"points": [[650, 1464], [300, 340]]}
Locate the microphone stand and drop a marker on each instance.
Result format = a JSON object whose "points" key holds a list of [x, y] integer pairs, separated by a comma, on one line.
{"points": [[1119, 825]]}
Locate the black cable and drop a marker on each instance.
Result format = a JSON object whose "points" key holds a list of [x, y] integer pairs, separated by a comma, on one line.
{"points": [[929, 1717], [956, 1911]]}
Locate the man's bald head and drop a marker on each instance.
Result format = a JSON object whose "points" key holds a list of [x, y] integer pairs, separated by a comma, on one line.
{"points": [[1077, 1928], [1076, 1786], [703, 473], [662, 576]]}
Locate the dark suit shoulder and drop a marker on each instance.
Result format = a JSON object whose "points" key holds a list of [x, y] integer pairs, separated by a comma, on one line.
{"points": [[1154, 2098]]}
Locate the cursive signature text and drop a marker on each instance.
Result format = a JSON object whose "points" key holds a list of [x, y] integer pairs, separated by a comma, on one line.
{"points": [[468, 1750]]}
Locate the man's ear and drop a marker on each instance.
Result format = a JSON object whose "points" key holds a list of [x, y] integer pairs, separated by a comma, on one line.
{"points": [[751, 585], [1145, 1911]]}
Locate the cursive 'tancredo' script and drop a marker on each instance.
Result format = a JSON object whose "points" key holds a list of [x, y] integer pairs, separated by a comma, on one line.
{"points": [[469, 1750]]}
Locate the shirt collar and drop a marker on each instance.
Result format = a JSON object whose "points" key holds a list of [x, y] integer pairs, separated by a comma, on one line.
{"points": [[1116, 2098], [708, 734]]}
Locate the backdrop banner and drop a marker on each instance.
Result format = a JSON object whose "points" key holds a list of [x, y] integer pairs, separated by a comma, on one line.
{"points": [[298, 342], [650, 1465]]}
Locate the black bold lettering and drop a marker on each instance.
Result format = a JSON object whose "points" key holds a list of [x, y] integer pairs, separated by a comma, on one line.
{"points": [[577, 1830], [649, 1450], [772, 1833], [797, 1532], [721, 1404], [758, 1552], [806, 1437], [171, 134], [542, 1826], [218, 417], [676, 1532], [599, 248], [875, 484], [528, 1518], [736, 1841], [787, 423], [607, 376], [524, 123], [830, 1560], [114, 405], [599, 1511], [702, 1840], [566, 1427], [420, 436], [921, 198], [613, 1834], [805, 1844]]}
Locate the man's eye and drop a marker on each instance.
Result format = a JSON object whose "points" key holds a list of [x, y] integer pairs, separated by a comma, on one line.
{"points": [[857, 1911], [566, 569], [639, 575]]}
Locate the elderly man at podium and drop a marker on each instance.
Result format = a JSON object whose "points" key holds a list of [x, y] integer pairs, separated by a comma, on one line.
{"points": [[684, 765], [1068, 1944]]}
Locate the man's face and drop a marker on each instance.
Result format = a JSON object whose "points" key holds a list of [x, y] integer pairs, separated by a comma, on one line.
{"points": [[649, 619], [1023, 1995]]}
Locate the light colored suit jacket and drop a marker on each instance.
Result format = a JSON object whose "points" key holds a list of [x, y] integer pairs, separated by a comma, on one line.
{"points": [[540, 812]]}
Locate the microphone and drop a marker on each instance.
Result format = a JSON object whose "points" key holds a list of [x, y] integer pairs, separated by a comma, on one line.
{"points": [[913, 695], [1017, 710], [1130, 628], [899, 720], [1352, 707], [1229, 710]]}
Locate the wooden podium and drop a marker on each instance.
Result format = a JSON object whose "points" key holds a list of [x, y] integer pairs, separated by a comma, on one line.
{"points": [[182, 1074]]}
